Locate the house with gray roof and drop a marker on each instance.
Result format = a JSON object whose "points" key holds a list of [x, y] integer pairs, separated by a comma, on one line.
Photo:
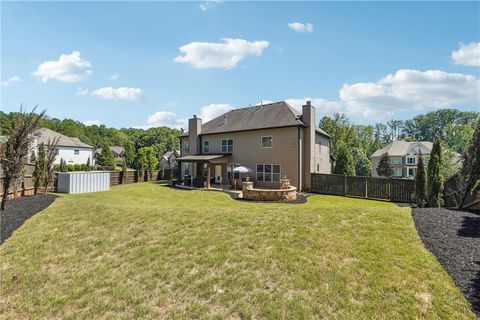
{"points": [[118, 153], [169, 159], [273, 140], [403, 157], [72, 150]]}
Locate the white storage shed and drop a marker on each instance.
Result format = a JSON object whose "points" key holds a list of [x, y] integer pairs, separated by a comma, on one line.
{"points": [[83, 181]]}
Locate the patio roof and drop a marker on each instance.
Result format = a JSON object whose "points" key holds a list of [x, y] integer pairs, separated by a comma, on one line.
{"points": [[203, 157]]}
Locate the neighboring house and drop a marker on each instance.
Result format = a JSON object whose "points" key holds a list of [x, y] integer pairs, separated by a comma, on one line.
{"points": [[274, 140], [168, 160], [72, 150], [117, 151], [403, 157]]}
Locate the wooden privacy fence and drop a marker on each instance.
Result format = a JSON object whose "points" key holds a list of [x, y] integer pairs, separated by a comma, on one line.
{"points": [[24, 186], [396, 190], [116, 177]]}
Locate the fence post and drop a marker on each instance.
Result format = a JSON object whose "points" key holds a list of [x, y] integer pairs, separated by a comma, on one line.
{"points": [[390, 182], [344, 184], [366, 187]]}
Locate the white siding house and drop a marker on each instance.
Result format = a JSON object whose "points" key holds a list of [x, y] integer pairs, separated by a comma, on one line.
{"points": [[72, 150]]}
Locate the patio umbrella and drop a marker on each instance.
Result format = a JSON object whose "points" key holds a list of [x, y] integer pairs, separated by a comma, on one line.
{"points": [[241, 169]]}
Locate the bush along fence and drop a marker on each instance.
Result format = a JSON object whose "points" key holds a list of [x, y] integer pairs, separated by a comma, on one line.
{"points": [[116, 177], [24, 186], [391, 189]]}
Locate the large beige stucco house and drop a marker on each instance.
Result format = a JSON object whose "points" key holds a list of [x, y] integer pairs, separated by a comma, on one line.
{"points": [[403, 157], [274, 140]]}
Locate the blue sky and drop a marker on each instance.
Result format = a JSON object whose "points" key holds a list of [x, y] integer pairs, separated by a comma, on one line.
{"points": [[156, 63]]}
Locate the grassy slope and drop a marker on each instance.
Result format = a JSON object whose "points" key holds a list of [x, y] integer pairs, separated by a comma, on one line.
{"points": [[145, 251]]}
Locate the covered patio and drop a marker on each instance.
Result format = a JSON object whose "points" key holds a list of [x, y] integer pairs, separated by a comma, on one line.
{"points": [[204, 169]]}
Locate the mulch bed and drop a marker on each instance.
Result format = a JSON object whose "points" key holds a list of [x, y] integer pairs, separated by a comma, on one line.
{"points": [[19, 210], [454, 238]]}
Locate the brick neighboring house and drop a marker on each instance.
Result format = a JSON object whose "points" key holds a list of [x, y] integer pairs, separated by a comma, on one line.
{"points": [[117, 151], [274, 140], [168, 160], [403, 157]]}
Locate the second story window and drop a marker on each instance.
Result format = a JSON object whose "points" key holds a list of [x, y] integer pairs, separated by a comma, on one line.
{"points": [[206, 146], [267, 141], [396, 160], [411, 160], [186, 148], [227, 145]]}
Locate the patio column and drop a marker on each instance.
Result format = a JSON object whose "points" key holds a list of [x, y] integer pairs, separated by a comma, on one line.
{"points": [[208, 175]]}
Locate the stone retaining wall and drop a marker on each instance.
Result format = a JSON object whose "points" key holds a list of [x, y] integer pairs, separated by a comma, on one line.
{"points": [[250, 193]]}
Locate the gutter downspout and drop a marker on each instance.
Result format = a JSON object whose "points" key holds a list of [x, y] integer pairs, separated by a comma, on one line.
{"points": [[299, 154]]}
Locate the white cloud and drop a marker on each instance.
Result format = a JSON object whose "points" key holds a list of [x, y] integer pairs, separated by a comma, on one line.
{"points": [[207, 5], [214, 110], [301, 27], [122, 93], [226, 55], [172, 120], [403, 91], [467, 55], [11, 80], [82, 91], [68, 68], [165, 119], [95, 122], [113, 77]]}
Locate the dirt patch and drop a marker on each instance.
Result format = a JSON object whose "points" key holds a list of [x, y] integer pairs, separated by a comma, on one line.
{"points": [[454, 238], [19, 210]]}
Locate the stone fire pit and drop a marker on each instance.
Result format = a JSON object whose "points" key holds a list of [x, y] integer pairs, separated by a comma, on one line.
{"points": [[285, 193]]}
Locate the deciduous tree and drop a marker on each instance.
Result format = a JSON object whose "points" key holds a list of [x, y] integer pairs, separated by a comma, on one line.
{"points": [[14, 151]]}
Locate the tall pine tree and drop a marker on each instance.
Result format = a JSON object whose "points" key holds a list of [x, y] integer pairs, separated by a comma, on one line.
{"points": [[384, 168], [420, 182], [40, 170], [344, 163], [434, 178]]}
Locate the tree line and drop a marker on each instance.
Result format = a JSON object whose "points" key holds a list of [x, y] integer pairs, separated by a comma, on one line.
{"points": [[157, 140], [352, 145]]}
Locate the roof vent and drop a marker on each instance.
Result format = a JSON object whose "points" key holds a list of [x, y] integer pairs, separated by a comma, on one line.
{"points": [[225, 119]]}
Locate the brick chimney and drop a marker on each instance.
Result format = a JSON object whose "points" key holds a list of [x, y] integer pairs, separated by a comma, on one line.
{"points": [[194, 130], [308, 118]]}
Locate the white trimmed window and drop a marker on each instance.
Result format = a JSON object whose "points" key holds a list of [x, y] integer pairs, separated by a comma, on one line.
{"points": [[397, 172], [186, 147], [227, 145], [268, 172], [206, 146], [395, 160], [230, 173], [267, 141], [411, 160]]}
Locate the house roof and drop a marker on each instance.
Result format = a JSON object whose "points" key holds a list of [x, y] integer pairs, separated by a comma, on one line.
{"points": [[272, 115], [402, 148], [116, 149], [203, 157], [45, 136], [168, 154]]}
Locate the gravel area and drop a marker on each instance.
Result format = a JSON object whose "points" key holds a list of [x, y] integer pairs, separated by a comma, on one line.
{"points": [[454, 238], [19, 210]]}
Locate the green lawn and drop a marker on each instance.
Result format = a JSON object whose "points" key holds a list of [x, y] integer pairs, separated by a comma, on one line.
{"points": [[146, 251]]}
